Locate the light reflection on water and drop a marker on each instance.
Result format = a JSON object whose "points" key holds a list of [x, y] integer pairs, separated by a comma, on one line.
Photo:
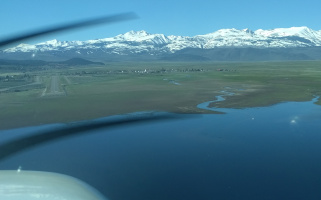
{"points": [[255, 153]]}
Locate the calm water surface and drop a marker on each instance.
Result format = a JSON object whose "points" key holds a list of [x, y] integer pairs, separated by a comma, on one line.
{"points": [[256, 153]]}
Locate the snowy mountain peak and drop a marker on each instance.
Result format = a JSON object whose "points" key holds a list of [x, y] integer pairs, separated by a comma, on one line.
{"points": [[229, 33], [283, 32], [248, 31], [142, 36], [141, 33], [133, 34], [53, 42]]}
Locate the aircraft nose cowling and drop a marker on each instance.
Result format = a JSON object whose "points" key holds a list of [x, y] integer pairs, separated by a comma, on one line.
{"points": [[32, 185]]}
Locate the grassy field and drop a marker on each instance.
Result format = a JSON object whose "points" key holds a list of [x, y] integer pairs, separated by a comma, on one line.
{"points": [[90, 92]]}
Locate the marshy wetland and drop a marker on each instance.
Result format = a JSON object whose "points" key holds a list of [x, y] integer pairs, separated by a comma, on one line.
{"points": [[60, 95]]}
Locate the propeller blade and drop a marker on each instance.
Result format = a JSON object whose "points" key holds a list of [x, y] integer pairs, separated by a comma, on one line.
{"points": [[14, 146], [69, 26]]}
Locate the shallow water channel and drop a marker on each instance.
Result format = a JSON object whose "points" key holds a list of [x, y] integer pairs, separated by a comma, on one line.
{"points": [[254, 153]]}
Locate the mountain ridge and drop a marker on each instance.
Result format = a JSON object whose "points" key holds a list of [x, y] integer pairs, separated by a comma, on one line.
{"points": [[144, 45]]}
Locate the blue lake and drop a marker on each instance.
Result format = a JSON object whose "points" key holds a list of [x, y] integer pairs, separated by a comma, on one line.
{"points": [[255, 153]]}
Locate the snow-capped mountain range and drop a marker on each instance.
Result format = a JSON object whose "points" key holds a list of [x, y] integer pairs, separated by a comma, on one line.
{"points": [[138, 41], [142, 42]]}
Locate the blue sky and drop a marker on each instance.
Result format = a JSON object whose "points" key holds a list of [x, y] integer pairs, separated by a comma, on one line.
{"points": [[171, 17]]}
